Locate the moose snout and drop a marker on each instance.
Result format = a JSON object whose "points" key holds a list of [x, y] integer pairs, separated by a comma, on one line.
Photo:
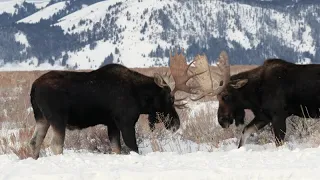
{"points": [[174, 129], [225, 122], [176, 125]]}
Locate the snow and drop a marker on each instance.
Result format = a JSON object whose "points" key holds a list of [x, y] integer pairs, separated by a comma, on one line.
{"points": [[131, 49], [244, 29], [232, 163], [304, 61], [93, 12], [29, 65], [8, 5], [198, 107], [39, 3], [178, 159], [91, 59], [45, 13], [22, 38]]}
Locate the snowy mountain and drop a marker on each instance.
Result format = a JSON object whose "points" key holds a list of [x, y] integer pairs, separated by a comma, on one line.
{"points": [[85, 34], [12, 6], [44, 13]]}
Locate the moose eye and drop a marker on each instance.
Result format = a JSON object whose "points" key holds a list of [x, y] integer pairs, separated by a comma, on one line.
{"points": [[172, 98], [226, 98]]}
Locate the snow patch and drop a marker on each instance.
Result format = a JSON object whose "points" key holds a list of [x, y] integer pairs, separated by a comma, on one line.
{"points": [[243, 163], [39, 3], [199, 107], [45, 13], [22, 38], [94, 12], [29, 65], [304, 61], [173, 143], [91, 58], [8, 5]]}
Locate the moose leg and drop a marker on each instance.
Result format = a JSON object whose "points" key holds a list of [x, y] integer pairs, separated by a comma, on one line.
{"points": [[57, 141], [114, 137], [129, 138], [279, 129], [152, 121], [41, 129], [252, 127]]}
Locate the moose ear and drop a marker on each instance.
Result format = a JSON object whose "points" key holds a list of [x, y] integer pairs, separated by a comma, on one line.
{"points": [[159, 80], [239, 83]]}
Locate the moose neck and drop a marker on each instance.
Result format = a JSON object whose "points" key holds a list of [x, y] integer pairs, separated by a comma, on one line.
{"points": [[252, 90], [147, 90]]}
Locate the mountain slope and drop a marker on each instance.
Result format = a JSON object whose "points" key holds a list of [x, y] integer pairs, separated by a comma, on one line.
{"points": [[45, 13], [239, 25], [125, 30], [9, 6], [141, 33]]}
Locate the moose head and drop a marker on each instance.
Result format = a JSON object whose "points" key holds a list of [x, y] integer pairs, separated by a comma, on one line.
{"points": [[227, 93], [166, 102]]}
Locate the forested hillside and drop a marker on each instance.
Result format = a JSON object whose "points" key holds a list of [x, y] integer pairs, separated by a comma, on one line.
{"points": [[139, 33]]}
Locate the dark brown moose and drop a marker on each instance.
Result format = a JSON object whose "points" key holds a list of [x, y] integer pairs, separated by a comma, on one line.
{"points": [[273, 91], [112, 95]]}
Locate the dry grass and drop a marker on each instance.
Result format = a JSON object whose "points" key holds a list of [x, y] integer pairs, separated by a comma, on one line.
{"points": [[17, 142], [17, 123]]}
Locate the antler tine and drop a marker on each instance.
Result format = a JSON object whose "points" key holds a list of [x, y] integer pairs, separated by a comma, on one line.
{"points": [[166, 77], [206, 81], [178, 68], [179, 71], [181, 106], [181, 99], [224, 67]]}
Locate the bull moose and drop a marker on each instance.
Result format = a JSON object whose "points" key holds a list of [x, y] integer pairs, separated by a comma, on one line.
{"points": [[112, 95], [273, 91]]}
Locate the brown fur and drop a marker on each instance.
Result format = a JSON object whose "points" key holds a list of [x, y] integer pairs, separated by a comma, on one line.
{"points": [[273, 91]]}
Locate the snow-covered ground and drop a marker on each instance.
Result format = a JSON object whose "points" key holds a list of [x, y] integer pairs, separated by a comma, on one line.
{"points": [[179, 159], [256, 162]]}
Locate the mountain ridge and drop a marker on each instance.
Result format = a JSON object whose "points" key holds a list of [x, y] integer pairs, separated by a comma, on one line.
{"points": [[139, 33]]}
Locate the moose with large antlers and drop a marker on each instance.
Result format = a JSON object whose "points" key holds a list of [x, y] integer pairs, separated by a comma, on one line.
{"points": [[273, 91], [112, 95]]}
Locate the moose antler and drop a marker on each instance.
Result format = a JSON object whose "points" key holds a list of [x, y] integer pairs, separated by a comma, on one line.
{"points": [[205, 80], [179, 71]]}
